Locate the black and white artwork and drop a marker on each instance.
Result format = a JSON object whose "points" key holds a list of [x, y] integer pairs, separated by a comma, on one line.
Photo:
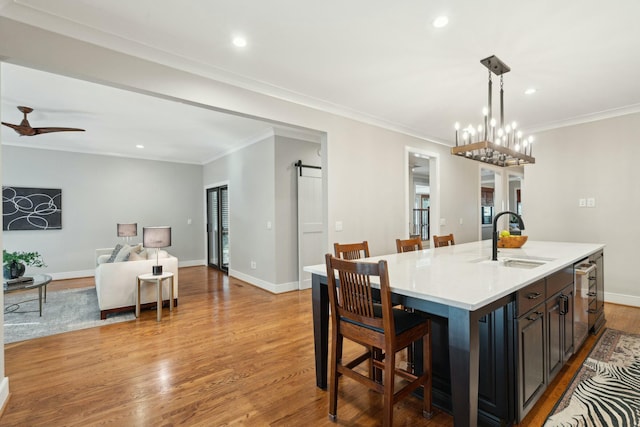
{"points": [[31, 208]]}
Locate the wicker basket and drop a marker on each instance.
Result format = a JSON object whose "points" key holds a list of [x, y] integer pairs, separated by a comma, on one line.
{"points": [[512, 241]]}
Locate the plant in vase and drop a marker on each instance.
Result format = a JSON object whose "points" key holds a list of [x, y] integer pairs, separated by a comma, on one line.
{"points": [[15, 263]]}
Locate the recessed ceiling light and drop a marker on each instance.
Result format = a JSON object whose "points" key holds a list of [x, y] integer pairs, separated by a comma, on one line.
{"points": [[139, 146], [440, 21], [239, 41], [530, 91]]}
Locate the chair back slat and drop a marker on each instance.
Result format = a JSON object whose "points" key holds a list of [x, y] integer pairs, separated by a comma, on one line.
{"points": [[409, 245], [353, 297], [351, 250], [441, 241]]}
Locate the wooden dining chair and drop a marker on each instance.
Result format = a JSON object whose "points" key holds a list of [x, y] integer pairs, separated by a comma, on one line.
{"points": [[441, 241], [351, 250], [355, 316], [409, 245]]}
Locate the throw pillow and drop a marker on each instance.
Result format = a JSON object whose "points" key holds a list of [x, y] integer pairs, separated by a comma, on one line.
{"points": [[124, 253], [112, 258], [137, 256]]}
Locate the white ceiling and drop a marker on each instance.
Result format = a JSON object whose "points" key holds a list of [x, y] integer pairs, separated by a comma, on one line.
{"points": [[374, 60]]}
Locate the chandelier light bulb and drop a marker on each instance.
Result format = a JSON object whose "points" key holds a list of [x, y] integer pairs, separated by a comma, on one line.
{"points": [[517, 147], [500, 133], [507, 129], [485, 111], [514, 125], [530, 139], [493, 123], [519, 134], [457, 126], [497, 141]]}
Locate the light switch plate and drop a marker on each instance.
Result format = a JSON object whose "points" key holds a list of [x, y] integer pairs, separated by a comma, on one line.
{"points": [[338, 225], [582, 203], [591, 202]]}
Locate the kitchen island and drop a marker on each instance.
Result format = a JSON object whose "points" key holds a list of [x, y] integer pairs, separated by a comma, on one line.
{"points": [[474, 299]]}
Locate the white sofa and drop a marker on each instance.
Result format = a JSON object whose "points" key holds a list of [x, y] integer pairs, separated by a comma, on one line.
{"points": [[116, 281]]}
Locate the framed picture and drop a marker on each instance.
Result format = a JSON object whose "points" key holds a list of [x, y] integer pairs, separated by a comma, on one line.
{"points": [[26, 208]]}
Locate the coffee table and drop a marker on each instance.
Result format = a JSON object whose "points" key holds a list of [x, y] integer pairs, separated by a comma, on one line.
{"points": [[40, 281]]}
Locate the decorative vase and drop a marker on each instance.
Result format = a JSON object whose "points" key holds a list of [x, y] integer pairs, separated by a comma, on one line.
{"points": [[13, 270]]}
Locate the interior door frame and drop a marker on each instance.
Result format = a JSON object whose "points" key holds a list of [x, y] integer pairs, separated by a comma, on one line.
{"points": [[206, 223], [434, 189]]}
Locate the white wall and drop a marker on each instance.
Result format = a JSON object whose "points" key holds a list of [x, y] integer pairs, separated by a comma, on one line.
{"points": [[262, 189], [599, 160], [97, 193], [287, 152]]}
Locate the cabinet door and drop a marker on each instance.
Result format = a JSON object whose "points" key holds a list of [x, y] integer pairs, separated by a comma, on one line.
{"points": [[531, 360], [555, 322]]}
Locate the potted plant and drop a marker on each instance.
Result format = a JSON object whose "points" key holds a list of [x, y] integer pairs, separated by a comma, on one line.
{"points": [[16, 262]]}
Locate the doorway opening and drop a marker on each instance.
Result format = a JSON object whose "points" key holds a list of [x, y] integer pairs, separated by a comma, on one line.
{"points": [[422, 194], [218, 228]]}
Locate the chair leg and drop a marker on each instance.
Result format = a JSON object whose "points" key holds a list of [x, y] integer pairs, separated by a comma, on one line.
{"points": [[336, 355], [389, 376], [375, 373], [427, 411]]}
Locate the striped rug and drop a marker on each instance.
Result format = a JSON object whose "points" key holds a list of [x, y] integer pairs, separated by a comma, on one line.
{"points": [[606, 389]]}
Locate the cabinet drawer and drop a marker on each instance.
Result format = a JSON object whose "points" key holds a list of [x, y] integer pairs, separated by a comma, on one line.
{"points": [[558, 280], [529, 297]]}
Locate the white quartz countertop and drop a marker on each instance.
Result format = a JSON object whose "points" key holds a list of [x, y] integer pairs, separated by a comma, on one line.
{"points": [[463, 276]]}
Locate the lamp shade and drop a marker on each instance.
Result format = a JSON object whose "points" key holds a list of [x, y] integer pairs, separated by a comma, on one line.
{"points": [[156, 237], [127, 230]]}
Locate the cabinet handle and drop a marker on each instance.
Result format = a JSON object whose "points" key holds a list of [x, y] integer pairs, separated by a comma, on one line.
{"points": [[563, 303], [538, 315], [592, 311], [592, 277], [591, 294], [534, 295]]}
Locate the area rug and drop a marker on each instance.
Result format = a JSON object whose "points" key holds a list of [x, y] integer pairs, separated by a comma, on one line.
{"points": [[65, 310], [606, 389]]}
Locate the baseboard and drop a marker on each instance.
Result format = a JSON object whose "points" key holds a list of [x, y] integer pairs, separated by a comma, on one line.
{"points": [[4, 394], [192, 263], [262, 284], [622, 299]]}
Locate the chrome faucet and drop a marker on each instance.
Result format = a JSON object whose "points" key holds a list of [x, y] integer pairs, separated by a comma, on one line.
{"points": [[494, 254]]}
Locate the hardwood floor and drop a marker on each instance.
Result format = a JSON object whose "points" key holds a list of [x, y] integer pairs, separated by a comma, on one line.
{"points": [[230, 354]]}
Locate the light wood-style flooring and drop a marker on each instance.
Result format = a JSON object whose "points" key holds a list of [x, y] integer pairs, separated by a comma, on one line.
{"points": [[230, 354]]}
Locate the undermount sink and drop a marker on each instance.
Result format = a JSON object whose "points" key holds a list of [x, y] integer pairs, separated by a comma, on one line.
{"points": [[517, 262], [521, 263]]}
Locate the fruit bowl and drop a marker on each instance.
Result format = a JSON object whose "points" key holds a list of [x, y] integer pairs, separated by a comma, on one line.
{"points": [[512, 241]]}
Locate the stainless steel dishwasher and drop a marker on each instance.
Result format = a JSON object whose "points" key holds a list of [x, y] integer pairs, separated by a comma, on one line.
{"points": [[582, 272]]}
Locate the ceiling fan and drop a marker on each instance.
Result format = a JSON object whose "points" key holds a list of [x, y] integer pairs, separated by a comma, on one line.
{"points": [[25, 129]]}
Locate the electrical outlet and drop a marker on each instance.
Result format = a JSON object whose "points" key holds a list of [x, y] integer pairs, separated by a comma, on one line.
{"points": [[268, 225], [591, 202], [253, 265], [338, 225]]}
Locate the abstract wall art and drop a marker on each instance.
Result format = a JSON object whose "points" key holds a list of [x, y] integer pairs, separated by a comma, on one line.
{"points": [[26, 208]]}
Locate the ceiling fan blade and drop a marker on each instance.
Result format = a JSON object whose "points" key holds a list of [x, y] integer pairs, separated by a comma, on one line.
{"points": [[21, 130], [38, 131], [25, 129]]}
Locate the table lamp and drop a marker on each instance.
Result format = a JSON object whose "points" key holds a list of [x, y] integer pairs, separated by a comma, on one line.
{"points": [[127, 231], [156, 237]]}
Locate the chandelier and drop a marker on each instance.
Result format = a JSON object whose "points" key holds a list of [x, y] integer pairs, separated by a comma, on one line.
{"points": [[491, 142]]}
